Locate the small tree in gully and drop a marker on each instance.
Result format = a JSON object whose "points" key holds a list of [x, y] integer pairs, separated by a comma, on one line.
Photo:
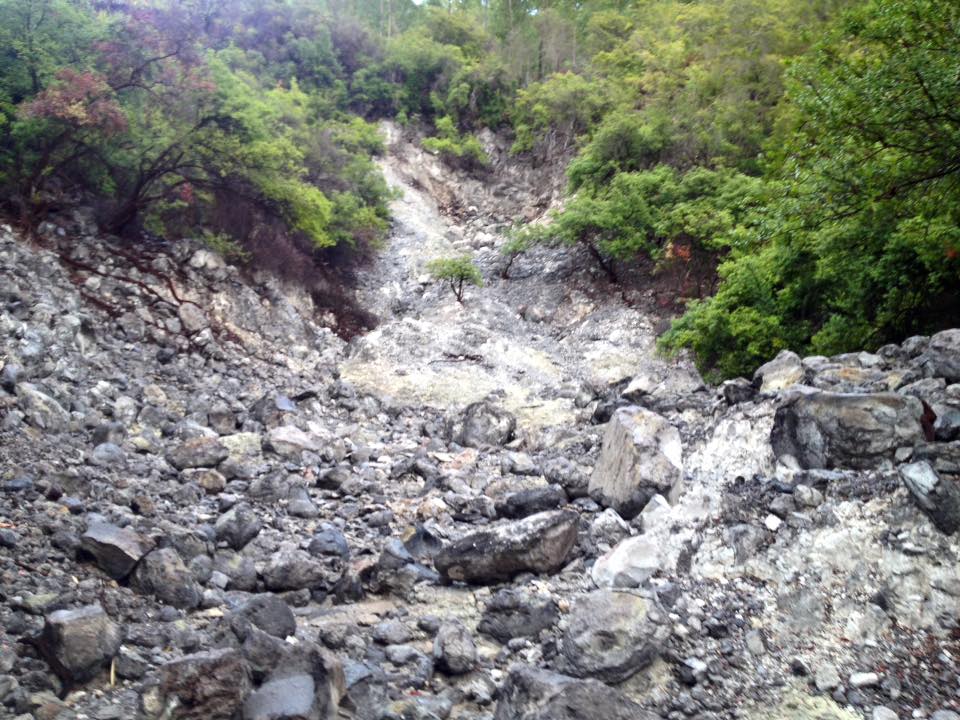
{"points": [[458, 271]]}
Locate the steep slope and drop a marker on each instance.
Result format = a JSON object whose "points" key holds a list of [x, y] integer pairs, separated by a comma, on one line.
{"points": [[212, 507]]}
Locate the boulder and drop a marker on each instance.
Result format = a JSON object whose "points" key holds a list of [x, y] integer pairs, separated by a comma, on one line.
{"points": [[482, 424], [293, 569], [785, 370], [163, 575], [240, 571], [454, 651], [568, 475], [204, 686], [511, 613], [287, 698], [835, 430], [737, 390], [528, 502], [630, 564], [518, 463], [306, 683], [942, 356], [198, 452], [238, 526], [329, 541], [608, 637], [289, 442], [533, 694], [191, 318], [78, 643], [642, 456], [268, 613], [944, 456], [41, 410], [937, 496], [116, 550], [299, 504], [947, 425], [608, 528], [539, 543]]}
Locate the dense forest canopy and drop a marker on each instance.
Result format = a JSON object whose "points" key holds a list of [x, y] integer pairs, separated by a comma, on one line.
{"points": [[810, 149]]}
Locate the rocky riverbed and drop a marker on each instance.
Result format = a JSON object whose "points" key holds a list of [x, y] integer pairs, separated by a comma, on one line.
{"points": [[211, 507]]}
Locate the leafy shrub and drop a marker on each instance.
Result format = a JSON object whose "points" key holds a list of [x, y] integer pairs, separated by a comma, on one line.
{"points": [[548, 116], [861, 246], [647, 213], [626, 141], [456, 149], [457, 271]]}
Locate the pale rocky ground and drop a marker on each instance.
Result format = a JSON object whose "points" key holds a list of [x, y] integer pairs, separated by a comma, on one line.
{"points": [[263, 521]]}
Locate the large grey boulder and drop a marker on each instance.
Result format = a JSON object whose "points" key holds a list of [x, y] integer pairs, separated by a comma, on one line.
{"points": [[199, 452], [267, 612], [942, 356], [307, 683], [204, 686], [238, 526], [513, 613], [533, 694], [642, 456], [454, 651], [539, 543], [116, 550], [289, 442], [831, 430], [291, 568], [785, 370], [287, 698], [608, 637], [944, 456], [78, 643], [163, 575], [482, 424], [937, 496], [41, 410]]}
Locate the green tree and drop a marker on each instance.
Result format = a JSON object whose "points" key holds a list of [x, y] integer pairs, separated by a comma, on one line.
{"points": [[862, 245], [456, 149], [457, 271]]}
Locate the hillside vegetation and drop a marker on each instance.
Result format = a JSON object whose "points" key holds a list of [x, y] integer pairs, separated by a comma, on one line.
{"points": [[808, 150]]}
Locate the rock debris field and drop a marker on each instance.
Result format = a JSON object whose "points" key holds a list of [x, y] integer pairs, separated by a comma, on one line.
{"points": [[213, 508]]}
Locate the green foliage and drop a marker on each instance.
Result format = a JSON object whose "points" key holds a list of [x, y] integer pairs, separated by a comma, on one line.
{"points": [[225, 246], [480, 94], [625, 142], [454, 148], [173, 136], [457, 271], [549, 115], [651, 212], [828, 193], [862, 246], [422, 69], [39, 37]]}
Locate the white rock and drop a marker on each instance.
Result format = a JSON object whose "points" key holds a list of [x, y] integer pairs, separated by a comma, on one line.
{"points": [[783, 371], [808, 496], [629, 564], [654, 512], [772, 522], [827, 677], [642, 456], [883, 713], [864, 679]]}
